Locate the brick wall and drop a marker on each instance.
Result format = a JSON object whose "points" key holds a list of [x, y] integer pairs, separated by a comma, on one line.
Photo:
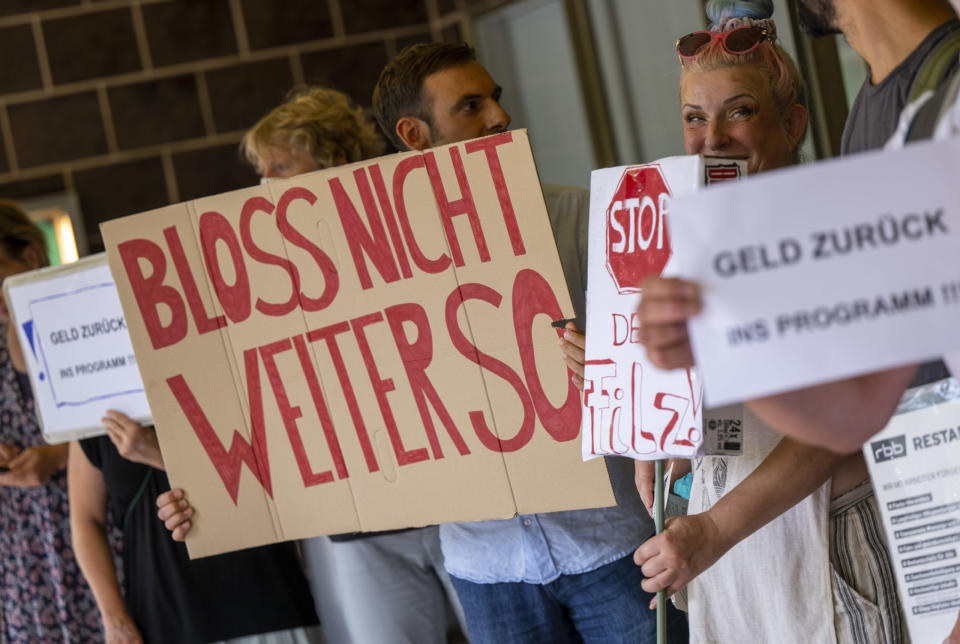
{"points": [[134, 104]]}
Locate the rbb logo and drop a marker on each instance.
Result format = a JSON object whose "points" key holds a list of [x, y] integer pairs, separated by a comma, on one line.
{"points": [[637, 240], [889, 449]]}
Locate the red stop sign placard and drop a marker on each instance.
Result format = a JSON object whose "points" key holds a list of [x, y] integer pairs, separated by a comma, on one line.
{"points": [[637, 241]]}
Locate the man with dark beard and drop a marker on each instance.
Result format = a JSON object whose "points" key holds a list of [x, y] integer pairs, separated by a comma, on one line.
{"points": [[551, 577], [896, 38]]}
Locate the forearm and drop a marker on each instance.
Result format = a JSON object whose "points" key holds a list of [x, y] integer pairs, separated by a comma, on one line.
{"points": [[790, 473], [96, 561], [839, 415], [88, 519]]}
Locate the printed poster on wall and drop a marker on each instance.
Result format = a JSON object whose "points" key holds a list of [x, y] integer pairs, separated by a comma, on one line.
{"points": [[362, 348]]}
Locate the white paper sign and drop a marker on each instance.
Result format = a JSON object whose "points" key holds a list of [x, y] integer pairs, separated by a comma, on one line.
{"points": [[632, 408], [915, 466], [823, 272], [77, 348]]}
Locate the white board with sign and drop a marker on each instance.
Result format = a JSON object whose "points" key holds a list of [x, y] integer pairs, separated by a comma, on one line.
{"points": [[632, 408], [76, 346], [823, 272]]}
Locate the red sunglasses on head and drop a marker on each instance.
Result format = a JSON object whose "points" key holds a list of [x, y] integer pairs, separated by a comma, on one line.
{"points": [[739, 41]]}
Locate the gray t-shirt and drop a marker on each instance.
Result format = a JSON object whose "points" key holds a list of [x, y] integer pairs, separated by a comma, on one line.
{"points": [[876, 110], [874, 118]]}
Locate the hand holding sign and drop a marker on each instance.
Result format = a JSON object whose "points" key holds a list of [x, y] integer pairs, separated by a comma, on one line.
{"points": [[688, 546], [175, 512], [134, 441], [572, 344], [663, 312]]}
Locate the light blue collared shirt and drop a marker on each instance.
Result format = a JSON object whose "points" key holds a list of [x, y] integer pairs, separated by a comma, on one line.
{"points": [[538, 548]]}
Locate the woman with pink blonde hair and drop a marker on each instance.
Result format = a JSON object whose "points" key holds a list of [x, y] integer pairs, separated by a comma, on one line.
{"points": [[783, 535]]}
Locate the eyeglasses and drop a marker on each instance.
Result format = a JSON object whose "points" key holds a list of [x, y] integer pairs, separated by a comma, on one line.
{"points": [[739, 41]]}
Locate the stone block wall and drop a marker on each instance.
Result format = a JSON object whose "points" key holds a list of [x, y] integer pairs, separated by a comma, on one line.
{"points": [[135, 104]]}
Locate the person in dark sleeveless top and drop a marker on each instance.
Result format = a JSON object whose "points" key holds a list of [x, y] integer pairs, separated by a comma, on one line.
{"points": [[254, 596], [166, 596]]}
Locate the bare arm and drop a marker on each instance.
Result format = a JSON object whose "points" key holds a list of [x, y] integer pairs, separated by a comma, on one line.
{"points": [[88, 517], [840, 415], [691, 544]]}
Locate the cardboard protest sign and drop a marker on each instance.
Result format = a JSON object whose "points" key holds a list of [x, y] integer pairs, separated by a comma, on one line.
{"points": [[823, 272], [363, 348], [915, 467], [75, 342], [632, 408]]}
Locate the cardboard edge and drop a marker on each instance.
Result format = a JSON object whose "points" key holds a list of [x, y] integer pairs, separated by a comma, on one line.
{"points": [[273, 188], [226, 341], [469, 330]]}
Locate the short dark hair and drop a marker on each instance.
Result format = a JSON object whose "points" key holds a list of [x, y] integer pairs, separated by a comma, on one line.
{"points": [[399, 90]]}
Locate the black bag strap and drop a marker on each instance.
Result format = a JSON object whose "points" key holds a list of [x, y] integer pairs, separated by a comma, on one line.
{"points": [[136, 499]]}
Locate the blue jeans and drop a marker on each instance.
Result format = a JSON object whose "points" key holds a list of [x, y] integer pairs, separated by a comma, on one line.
{"points": [[603, 606]]}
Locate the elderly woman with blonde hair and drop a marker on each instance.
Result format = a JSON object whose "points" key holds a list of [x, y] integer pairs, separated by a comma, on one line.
{"points": [[315, 128], [783, 542]]}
